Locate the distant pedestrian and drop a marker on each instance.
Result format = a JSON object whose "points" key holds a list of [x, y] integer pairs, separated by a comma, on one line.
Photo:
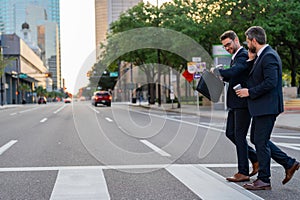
{"points": [[265, 102]]}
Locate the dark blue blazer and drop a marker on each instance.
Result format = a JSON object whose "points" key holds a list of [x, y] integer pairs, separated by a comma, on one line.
{"points": [[236, 74], [265, 84]]}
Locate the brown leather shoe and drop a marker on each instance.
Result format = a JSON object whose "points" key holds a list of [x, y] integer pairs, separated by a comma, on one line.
{"points": [[258, 185], [238, 178], [290, 172], [255, 167]]}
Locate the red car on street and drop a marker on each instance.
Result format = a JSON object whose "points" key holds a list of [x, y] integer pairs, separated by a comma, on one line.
{"points": [[102, 97]]}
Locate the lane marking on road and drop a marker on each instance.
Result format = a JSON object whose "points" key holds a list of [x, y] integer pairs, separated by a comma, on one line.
{"points": [[155, 148], [31, 109], [285, 136], [7, 146], [294, 146], [94, 109], [24, 111], [80, 184], [148, 166], [80, 181], [184, 122], [43, 120], [209, 185], [58, 110], [108, 119]]}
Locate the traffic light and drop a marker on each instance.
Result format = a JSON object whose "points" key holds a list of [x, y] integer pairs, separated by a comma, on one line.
{"points": [[88, 74], [48, 74]]}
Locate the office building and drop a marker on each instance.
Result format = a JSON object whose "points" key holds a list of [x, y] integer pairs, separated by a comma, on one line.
{"points": [[107, 11], [36, 13]]}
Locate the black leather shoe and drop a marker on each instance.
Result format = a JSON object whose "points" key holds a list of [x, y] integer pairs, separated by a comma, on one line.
{"points": [[290, 172]]}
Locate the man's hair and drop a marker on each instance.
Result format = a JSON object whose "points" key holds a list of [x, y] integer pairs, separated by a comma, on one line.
{"points": [[258, 33], [228, 34]]}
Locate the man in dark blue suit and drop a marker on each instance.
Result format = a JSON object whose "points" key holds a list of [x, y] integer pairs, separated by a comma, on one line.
{"points": [[265, 103], [239, 118]]}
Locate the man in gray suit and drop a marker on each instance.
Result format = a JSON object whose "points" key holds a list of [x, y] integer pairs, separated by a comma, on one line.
{"points": [[265, 103]]}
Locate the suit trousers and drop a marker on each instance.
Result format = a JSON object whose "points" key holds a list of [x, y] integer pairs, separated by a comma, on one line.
{"points": [[238, 122], [261, 129]]}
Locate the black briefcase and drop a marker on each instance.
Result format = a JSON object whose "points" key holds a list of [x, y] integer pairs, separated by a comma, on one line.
{"points": [[210, 86]]}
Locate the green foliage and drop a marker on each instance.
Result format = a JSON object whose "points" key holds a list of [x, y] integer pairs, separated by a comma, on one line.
{"points": [[204, 21], [40, 91]]}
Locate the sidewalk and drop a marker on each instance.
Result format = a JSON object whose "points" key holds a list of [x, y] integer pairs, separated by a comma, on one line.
{"points": [[288, 120]]}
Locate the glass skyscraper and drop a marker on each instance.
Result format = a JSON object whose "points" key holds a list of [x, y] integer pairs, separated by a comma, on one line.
{"points": [[13, 13], [36, 13], [107, 11]]}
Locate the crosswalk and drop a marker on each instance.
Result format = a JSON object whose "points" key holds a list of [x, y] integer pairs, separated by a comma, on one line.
{"points": [[88, 182]]}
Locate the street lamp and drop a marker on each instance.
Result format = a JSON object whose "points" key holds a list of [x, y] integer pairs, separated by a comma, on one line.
{"points": [[2, 67], [1, 81]]}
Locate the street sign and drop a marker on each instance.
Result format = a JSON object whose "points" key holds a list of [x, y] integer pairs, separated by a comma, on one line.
{"points": [[113, 74], [196, 59], [191, 67], [23, 76], [172, 96], [197, 75]]}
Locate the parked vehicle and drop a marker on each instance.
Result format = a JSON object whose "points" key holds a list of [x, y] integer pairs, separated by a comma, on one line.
{"points": [[68, 100], [102, 97], [42, 100]]}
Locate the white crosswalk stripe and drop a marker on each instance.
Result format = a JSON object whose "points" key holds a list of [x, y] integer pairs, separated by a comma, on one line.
{"points": [[80, 184], [88, 182], [209, 185]]}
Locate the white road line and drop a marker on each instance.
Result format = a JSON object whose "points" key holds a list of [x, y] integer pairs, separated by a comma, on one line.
{"points": [[154, 166], [94, 109], [80, 184], [155, 148], [31, 109], [24, 111], [295, 146], [43, 120], [285, 136], [209, 185], [184, 122], [58, 110], [7, 146], [108, 119]]}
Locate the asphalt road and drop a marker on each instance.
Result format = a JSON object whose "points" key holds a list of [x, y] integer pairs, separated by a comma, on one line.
{"points": [[78, 151]]}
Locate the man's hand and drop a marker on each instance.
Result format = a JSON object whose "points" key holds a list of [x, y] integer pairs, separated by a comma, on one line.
{"points": [[244, 92], [251, 55]]}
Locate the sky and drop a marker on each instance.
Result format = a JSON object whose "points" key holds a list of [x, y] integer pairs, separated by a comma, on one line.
{"points": [[77, 24]]}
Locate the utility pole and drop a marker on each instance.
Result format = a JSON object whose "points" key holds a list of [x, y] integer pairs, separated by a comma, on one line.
{"points": [[1, 68], [158, 61]]}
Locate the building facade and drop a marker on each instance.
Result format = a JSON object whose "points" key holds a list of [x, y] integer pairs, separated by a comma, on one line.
{"points": [[106, 12], [36, 13], [23, 68]]}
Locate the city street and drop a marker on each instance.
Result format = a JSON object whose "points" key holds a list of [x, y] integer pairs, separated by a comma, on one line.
{"points": [[78, 151]]}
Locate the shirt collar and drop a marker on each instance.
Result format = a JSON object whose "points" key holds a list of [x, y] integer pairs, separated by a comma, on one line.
{"points": [[233, 56], [261, 50]]}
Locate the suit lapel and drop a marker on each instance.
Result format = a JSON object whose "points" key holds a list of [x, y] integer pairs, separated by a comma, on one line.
{"points": [[233, 60], [258, 59]]}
